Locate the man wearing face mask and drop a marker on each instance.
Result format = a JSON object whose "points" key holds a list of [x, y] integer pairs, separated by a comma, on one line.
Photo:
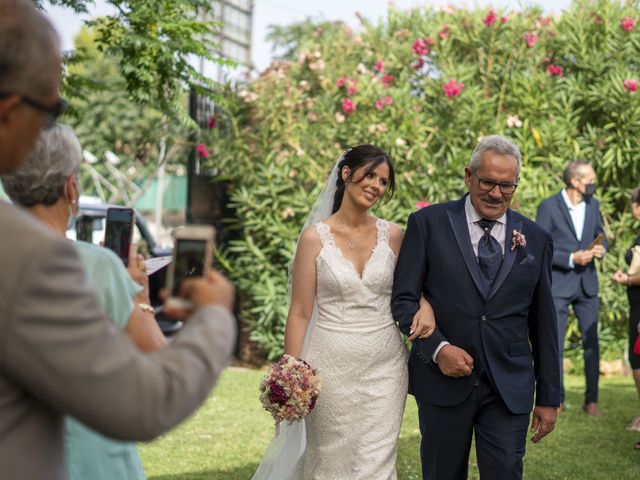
{"points": [[573, 218]]}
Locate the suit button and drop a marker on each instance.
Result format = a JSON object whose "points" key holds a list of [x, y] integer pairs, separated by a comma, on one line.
{"points": [[483, 318]]}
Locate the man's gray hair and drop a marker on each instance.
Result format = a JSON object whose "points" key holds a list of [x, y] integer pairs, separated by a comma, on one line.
{"points": [[28, 49], [497, 144], [40, 180]]}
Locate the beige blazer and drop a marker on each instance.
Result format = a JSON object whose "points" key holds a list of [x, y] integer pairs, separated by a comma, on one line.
{"points": [[60, 355]]}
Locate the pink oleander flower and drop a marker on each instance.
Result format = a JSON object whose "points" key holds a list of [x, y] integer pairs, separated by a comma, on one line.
{"points": [[202, 150], [530, 38], [387, 100], [452, 88], [379, 105], [490, 18], [342, 81], [444, 33], [518, 240], [418, 64], [504, 19], [627, 23], [352, 89], [419, 47], [387, 80], [545, 21], [212, 122], [348, 106], [598, 20], [379, 66], [422, 203], [630, 84], [554, 71]]}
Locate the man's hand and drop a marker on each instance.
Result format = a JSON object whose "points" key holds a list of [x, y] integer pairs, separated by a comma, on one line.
{"points": [[543, 421], [583, 257], [424, 322], [454, 361], [212, 290], [598, 251]]}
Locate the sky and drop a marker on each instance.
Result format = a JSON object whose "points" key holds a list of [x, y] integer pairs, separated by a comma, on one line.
{"points": [[284, 12]]}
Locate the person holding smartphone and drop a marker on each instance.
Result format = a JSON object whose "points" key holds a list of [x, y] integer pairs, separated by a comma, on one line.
{"points": [[574, 220], [123, 293]]}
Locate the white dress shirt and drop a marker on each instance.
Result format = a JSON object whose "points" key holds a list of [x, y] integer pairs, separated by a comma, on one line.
{"points": [[578, 214], [475, 233]]}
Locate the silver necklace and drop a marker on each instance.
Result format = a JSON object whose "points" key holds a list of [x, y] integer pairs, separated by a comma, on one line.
{"points": [[352, 243]]}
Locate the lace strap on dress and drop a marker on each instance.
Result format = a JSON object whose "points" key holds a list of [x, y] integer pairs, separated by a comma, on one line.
{"points": [[383, 230], [326, 237]]}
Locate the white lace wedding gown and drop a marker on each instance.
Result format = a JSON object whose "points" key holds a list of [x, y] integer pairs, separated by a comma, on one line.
{"points": [[353, 431]]}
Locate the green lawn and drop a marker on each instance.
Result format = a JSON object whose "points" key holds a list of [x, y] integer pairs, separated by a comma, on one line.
{"points": [[225, 439]]}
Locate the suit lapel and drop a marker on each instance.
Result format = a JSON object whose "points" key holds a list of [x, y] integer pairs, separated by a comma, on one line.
{"points": [[565, 213], [458, 221], [509, 255]]}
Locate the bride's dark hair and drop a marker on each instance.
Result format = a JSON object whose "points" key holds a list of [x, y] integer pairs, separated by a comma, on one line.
{"points": [[356, 157]]}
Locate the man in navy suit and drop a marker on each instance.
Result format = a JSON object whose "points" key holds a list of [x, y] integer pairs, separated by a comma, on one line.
{"points": [[574, 221], [486, 270]]}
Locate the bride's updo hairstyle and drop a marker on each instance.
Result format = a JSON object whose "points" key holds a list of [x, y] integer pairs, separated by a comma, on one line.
{"points": [[357, 157]]}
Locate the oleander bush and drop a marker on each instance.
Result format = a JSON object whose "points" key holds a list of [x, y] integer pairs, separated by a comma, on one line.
{"points": [[425, 85]]}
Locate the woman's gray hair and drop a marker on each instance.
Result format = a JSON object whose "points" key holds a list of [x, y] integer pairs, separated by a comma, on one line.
{"points": [[497, 144], [41, 178], [29, 50]]}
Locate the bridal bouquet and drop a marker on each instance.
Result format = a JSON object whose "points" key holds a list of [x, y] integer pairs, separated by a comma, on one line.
{"points": [[290, 389]]}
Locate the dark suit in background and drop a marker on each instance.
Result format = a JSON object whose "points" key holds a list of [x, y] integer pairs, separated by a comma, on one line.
{"points": [[575, 286]]}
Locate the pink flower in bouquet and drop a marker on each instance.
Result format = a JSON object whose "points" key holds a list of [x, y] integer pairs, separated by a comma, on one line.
{"points": [[627, 23], [530, 39], [422, 203], [490, 18], [554, 71], [419, 47], [630, 84], [387, 80], [212, 122], [452, 88], [202, 150], [379, 66], [348, 106]]}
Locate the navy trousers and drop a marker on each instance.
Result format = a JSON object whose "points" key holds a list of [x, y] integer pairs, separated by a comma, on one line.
{"points": [[447, 432]]}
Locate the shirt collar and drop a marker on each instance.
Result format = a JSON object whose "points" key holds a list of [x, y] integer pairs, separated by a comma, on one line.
{"points": [[473, 216], [571, 206]]}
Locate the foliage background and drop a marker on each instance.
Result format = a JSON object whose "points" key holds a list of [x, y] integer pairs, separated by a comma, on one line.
{"points": [[278, 138]]}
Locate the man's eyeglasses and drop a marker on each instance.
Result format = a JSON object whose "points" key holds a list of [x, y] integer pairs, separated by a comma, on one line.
{"points": [[51, 112], [488, 185]]}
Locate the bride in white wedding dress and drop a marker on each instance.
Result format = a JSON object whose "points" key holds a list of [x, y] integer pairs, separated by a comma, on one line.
{"points": [[340, 322]]}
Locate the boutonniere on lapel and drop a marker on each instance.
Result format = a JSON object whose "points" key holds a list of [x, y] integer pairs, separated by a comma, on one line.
{"points": [[518, 240]]}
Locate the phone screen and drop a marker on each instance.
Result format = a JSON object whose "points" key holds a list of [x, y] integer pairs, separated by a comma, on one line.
{"points": [[189, 262], [118, 232]]}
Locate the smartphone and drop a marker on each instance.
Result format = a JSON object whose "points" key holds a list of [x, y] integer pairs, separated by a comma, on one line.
{"points": [[119, 231], [192, 256]]}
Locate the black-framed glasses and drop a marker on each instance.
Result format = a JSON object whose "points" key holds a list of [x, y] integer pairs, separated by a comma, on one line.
{"points": [[51, 112], [488, 185]]}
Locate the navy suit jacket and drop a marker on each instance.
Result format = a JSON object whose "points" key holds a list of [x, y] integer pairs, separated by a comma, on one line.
{"points": [[511, 332], [553, 216]]}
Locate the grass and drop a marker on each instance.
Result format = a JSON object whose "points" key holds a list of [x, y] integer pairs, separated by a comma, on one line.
{"points": [[226, 438]]}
